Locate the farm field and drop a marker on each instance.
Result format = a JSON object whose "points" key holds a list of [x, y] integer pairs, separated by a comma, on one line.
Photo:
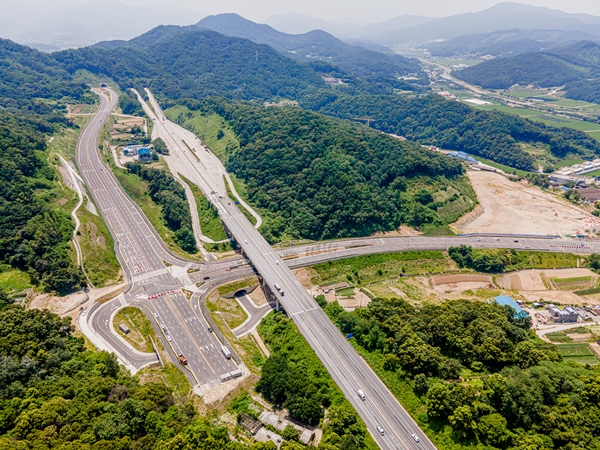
{"points": [[580, 353]]}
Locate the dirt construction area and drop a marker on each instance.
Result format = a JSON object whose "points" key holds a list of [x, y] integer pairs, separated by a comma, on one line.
{"points": [[445, 284], [518, 208], [539, 285]]}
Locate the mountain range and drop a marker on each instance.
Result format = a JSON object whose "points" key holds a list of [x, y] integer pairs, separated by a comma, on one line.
{"points": [[315, 45], [551, 68]]}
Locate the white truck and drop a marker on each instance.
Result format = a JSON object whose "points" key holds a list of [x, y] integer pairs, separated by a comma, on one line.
{"points": [[226, 352]]}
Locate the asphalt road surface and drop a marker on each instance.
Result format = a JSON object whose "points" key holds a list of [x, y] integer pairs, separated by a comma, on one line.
{"points": [[154, 275], [379, 410]]}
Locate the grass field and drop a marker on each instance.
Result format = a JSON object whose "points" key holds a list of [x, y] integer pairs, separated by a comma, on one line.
{"points": [[502, 167], [211, 129], [97, 247], [229, 310], [559, 336], [595, 173], [373, 268], [140, 326], [13, 281], [210, 223], [569, 284], [169, 375], [580, 353]]}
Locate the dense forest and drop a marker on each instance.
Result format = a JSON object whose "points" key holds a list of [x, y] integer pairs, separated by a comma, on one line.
{"points": [[169, 194], [192, 64], [55, 394], [34, 233], [320, 177], [349, 61], [27, 74], [294, 378], [540, 69], [455, 126], [477, 375]]}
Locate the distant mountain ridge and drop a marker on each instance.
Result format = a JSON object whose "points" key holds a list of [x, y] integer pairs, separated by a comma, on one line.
{"points": [[505, 42], [314, 45], [188, 62], [575, 66], [545, 69]]}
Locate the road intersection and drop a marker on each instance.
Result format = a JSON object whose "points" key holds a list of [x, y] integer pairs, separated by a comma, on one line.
{"points": [[156, 278]]}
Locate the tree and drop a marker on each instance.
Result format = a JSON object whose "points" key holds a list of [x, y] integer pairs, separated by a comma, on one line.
{"points": [[290, 433], [594, 262], [273, 383], [160, 146], [493, 431]]}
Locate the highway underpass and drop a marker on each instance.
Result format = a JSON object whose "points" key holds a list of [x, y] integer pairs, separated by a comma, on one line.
{"points": [[380, 409]]}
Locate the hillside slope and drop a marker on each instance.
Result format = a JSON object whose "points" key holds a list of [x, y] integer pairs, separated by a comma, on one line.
{"points": [[452, 125], [576, 66], [318, 177], [315, 45], [187, 62]]}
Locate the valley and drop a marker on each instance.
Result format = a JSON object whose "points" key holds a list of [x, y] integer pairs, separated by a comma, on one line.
{"points": [[235, 235]]}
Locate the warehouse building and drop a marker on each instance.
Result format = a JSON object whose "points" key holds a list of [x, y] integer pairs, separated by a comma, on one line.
{"points": [[506, 300]]}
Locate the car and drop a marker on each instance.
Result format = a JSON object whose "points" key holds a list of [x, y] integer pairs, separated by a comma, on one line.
{"points": [[516, 240], [380, 430], [276, 262], [497, 239], [527, 246], [206, 278], [84, 313], [361, 394], [415, 437], [169, 338], [245, 241], [209, 329], [155, 315], [478, 240]]}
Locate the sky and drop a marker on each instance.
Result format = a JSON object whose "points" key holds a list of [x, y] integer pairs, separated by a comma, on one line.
{"points": [[363, 10], [357, 11]]}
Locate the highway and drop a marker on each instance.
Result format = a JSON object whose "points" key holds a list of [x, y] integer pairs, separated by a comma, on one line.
{"points": [[155, 277], [380, 409]]}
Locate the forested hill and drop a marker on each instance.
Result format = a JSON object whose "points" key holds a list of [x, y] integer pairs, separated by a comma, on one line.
{"points": [[34, 233], [319, 177], [452, 125], [56, 395], [27, 74], [317, 45], [576, 66], [196, 64]]}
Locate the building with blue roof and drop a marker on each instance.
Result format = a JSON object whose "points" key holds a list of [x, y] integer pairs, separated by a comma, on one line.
{"points": [[506, 300], [144, 154]]}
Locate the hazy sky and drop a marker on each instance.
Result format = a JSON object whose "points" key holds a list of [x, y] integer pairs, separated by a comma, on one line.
{"points": [[333, 10], [361, 10]]}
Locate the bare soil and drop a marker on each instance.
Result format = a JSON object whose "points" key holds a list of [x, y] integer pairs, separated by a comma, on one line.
{"points": [[466, 278], [359, 300], [258, 296], [517, 207], [69, 305]]}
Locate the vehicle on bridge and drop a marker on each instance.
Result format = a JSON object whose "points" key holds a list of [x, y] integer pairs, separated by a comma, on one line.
{"points": [[183, 360]]}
